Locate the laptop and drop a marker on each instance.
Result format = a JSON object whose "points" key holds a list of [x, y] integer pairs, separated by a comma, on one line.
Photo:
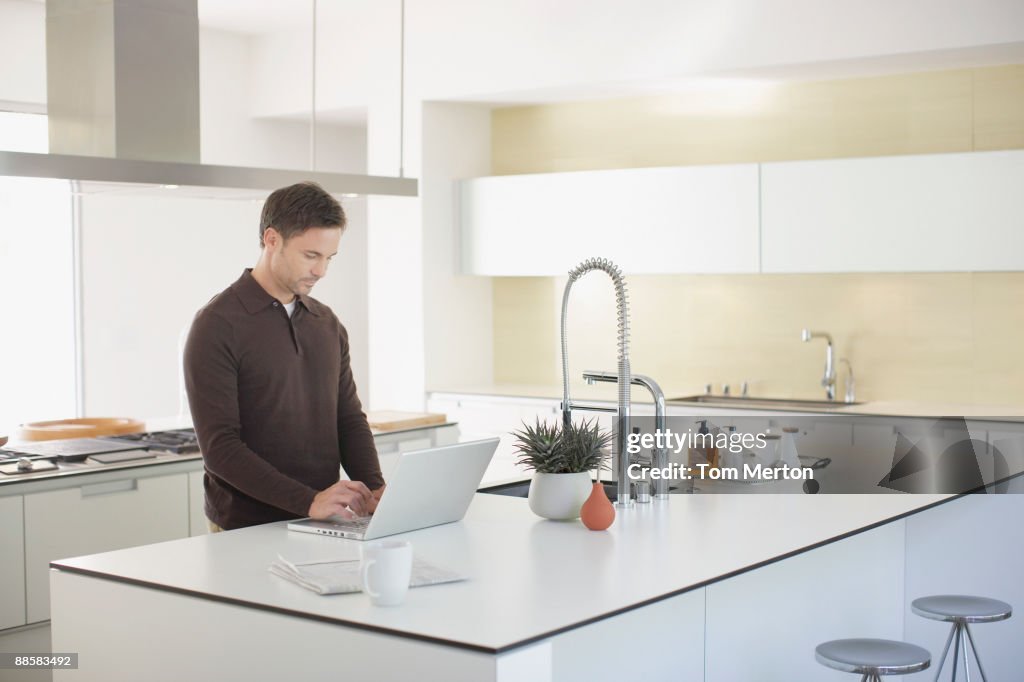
{"points": [[427, 488]]}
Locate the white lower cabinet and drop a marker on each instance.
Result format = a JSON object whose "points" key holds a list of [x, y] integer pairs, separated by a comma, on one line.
{"points": [[12, 563], [482, 416], [97, 517], [390, 445], [196, 497], [1004, 456], [488, 415], [765, 624]]}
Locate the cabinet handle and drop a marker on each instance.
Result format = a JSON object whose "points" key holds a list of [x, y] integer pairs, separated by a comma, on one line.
{"points": [[110, 487]]}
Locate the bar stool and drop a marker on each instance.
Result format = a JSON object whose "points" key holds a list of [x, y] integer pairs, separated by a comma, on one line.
{"points": [[873, 657], [961, 610]]}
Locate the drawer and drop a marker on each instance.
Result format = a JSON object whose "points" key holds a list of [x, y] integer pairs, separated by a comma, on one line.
{"points": [[98, 517]]}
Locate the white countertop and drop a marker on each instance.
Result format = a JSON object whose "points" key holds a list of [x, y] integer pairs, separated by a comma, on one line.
{"points": [[529, 578], [9, 482]]}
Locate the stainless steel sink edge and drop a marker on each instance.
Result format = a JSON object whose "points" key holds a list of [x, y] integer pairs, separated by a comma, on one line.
{"points": [[761, 403]]}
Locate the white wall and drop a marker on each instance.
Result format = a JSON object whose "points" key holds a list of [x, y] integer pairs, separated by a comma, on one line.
{"points": [[458, 318], [149, 263], [344, 290], [233, 133], [23, 55], [352, 36], [37, 364]]}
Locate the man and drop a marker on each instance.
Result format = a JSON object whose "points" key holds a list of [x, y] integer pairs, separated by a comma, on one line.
{"points": [[270, 385]]}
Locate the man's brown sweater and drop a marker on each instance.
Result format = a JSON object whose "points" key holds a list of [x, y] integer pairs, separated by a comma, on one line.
{"points": [[274, 405]]}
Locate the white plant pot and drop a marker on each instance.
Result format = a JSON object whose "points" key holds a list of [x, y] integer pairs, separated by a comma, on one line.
{"points": [[559, 496]]}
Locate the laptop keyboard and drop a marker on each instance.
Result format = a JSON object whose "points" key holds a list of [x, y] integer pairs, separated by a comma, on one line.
{"points": [[359, 523]]}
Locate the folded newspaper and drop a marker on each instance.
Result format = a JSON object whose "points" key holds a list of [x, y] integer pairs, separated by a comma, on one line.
{"points": [[338, 576]]}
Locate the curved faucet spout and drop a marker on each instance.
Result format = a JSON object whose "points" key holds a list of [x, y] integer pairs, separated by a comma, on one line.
{"points": [[829, 379], [619, 449]]}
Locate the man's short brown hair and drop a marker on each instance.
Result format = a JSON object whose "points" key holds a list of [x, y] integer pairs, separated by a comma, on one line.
{"points": [[294, 209]]}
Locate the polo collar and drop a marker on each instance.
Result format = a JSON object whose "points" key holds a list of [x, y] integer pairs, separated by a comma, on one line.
{"points": [[255, 298]]}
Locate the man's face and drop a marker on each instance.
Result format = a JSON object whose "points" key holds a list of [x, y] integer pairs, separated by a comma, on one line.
{"points": [[299, 263]]}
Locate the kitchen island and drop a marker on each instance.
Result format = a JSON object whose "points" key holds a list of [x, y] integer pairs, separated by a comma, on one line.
{"points": [[712, 587], [85, 507]]}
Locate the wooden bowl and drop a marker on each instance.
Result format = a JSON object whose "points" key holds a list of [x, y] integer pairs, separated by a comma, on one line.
{"points": [[83, 427]]}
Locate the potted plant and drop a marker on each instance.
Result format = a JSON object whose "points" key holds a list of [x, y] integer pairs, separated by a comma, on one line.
{"points": [[562, 459]]}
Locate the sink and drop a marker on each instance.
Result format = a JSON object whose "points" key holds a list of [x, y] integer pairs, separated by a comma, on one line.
{"points": [[522, 489], [761, 403]]}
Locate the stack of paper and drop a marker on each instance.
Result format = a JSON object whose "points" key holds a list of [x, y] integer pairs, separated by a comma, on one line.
{"points": [[337, 576]]}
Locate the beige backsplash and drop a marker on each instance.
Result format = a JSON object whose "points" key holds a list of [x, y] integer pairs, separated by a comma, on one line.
{"points": [[949, 337]]}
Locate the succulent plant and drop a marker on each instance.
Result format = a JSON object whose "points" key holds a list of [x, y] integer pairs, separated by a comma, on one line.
{"points": [[586, 444], [551, 449]]}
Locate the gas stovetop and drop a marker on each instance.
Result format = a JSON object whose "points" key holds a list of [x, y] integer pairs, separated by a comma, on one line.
{"points": [[180, 441]]}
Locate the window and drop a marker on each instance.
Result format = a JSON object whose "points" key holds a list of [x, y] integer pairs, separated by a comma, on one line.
{"points": [[23, 133], [37, 287]]}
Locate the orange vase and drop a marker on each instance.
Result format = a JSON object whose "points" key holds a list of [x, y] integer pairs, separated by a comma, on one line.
{"points": [[597, 512]]}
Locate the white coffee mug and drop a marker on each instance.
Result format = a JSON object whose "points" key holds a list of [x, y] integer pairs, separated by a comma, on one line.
{"points": [[386, 570]]}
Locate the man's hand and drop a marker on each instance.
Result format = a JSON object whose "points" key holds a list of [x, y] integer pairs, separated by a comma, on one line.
{"points": [[345, 498], [375, 496]]}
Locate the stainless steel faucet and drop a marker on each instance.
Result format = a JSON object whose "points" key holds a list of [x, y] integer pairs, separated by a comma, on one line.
{"points": [[829, 380], [624, 379], [660, 454]]}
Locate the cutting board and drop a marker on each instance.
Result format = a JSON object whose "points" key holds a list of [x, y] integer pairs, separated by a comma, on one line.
{"points": [[81, 427], [389, 420]]}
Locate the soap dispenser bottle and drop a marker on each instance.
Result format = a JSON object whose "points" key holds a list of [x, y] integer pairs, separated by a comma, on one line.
{"points": [[787, 448], [707, 453]]}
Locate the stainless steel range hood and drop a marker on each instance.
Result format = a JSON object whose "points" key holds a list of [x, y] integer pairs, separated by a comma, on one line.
{"points": [[123, 105], [163, 173], [122, 78]]}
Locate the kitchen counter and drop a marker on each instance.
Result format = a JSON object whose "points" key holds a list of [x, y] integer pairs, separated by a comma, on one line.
{"points": [[15, 484], [531, 582], [880, 408]]}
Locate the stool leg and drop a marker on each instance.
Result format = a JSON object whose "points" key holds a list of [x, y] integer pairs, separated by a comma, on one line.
{"points": [[945, 650], [974, 648], [967, 663], [956, 651]]}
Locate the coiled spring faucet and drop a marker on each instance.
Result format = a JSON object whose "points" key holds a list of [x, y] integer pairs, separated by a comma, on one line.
{"points": [[620, 443]]}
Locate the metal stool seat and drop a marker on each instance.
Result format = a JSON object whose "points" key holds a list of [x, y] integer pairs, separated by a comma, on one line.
{"points": [[873, 657], [961, 610]]}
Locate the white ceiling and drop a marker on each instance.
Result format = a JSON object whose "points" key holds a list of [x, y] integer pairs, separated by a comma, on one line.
{"points": [[489, 52], [533, 51]]}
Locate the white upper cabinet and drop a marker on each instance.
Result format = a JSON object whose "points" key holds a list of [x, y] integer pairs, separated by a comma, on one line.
{"points": [[937, 212], [697, 219]]}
